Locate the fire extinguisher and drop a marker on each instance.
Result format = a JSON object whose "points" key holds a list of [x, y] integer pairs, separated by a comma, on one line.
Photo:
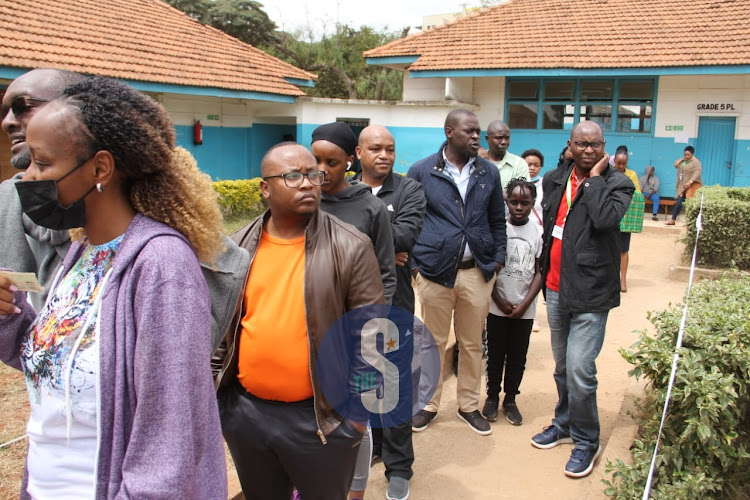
{"points": [[197, 132]]}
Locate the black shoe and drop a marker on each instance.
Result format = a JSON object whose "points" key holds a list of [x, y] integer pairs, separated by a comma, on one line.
{"points": [[655, 218], [512, 414], [490, 409], [422, 419], [549, 438], [582, 462], [476, 422]]}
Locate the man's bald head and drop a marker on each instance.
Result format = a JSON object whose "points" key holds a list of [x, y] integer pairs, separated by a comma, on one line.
{"points": [[274, 158], [498, 127], [586, 127], [376, 153], [23, 97], [372, 132], [589, 135], [455, 117]]}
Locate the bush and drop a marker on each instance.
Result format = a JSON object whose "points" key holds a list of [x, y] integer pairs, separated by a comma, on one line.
{"points": [[240, 199], [725, 239], [706, 438]]}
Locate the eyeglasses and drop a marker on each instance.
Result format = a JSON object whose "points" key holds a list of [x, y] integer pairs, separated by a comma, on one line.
{"points": [[295, 179], [596, 145], [22, 104]]}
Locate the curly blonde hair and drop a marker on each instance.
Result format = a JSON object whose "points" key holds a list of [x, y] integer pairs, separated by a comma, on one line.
{"points": [[162, 181]]}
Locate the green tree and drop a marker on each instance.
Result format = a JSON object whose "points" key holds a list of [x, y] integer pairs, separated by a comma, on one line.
{"points": [[336, 59], [243, 19]]}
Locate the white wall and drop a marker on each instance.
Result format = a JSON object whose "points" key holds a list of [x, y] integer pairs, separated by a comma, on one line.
{"points": [[185, 109], [423, 89], [318, 111], [490, 93], [459, 89], [680, 96]]}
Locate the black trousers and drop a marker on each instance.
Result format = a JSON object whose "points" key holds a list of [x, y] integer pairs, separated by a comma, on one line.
{"points": [[507, 345], [275, 447], [395, 447]]}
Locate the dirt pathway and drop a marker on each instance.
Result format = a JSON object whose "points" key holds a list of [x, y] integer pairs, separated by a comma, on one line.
{"points": [[452, 462]]}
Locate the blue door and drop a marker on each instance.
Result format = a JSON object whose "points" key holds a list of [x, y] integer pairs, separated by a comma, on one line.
{"points": [[715, 149]]}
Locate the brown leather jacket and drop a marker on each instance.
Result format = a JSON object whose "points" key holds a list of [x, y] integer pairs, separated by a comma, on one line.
{"points": [[341, 274]]}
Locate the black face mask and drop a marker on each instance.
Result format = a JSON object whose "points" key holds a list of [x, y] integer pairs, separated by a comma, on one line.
{"points": [[39, 200]]}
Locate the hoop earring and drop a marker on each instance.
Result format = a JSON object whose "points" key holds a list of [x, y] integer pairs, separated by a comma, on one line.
{"points": [[99, 187]]}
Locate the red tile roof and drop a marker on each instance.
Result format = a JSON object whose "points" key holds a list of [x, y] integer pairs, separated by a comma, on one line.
{"points": [[144, 40], [584, 34]]}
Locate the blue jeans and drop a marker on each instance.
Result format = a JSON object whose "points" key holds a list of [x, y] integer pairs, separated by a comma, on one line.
{"points": [[576, 342], [677, 206], [654, 197]]}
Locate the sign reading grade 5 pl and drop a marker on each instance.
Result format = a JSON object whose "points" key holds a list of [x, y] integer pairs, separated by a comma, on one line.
{"points": [[723, 106], [371, 362]]}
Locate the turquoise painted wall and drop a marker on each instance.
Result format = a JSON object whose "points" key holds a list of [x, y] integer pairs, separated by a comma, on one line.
{"points": [[229, 153], [224, 153], [236, 153], [412, 143], [263, 137], [742, 164]]}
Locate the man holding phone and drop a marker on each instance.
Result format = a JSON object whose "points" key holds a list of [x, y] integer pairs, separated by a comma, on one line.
{"points": [[583, 205]]}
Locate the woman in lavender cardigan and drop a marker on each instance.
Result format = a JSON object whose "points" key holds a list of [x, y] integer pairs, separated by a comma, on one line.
{"points": [[117, 361]]}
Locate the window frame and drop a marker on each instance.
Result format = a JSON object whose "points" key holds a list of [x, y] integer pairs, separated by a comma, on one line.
{"points": [[615, 103]]}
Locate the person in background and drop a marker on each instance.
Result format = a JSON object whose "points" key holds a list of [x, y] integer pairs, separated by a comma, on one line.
{"points": [[405, 201], [513, 305], [535, 160], [333, 146], [28, 247], [117, 362], [308, 270], [509, 165], [565, 157], [688, 180], [650, 188], [632, 221]]}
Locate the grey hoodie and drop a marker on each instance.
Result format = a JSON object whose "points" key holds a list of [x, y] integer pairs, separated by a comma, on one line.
{"points": [[357, 206], [26, 247]]}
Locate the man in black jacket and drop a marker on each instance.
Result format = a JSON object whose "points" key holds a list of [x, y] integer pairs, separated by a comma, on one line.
{"points": [[404, 198], [583, 204]]}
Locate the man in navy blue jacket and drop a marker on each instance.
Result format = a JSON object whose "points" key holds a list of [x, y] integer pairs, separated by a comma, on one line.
{"points": [[459, 252]]}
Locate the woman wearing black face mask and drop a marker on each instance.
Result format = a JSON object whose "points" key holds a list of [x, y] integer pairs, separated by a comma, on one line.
{"points": [[117, 361]]}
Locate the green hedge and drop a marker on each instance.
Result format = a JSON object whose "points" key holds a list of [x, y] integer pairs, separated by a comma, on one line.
{"points": [[725, 239], [705, 443], [240, 199]]}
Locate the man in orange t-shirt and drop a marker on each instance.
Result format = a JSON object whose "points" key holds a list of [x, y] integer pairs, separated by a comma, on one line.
{"points": [[308, 269]]}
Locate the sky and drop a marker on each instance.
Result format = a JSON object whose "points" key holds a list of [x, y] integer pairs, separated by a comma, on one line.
{"points": [[323, 15]]}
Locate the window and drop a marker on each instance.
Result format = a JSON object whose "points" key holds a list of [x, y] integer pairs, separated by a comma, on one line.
{"points": [[618, 105]]}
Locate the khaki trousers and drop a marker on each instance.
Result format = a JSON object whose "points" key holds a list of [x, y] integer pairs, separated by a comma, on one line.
{"points": [[467, 303]]}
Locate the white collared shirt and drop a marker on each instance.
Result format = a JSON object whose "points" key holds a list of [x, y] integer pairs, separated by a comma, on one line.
{"points": [[461, 179]]}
